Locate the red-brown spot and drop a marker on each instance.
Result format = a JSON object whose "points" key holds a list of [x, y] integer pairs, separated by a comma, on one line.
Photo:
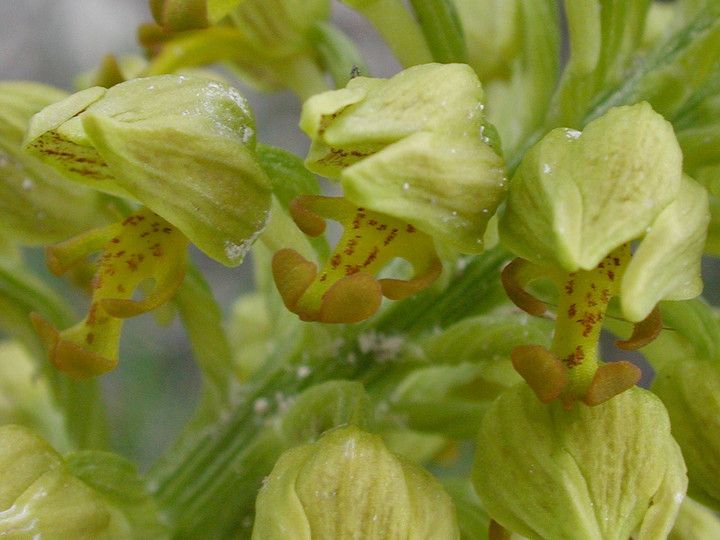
{"points": [[371, 256], [390, 237]]}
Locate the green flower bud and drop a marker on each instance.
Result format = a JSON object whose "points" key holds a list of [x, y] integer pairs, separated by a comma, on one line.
{"points": [[349, 485], [689, 389], [182, 146], [414, 147], [602, 473], [180, 14], [37, 205], [39, 497], [270, 43]]}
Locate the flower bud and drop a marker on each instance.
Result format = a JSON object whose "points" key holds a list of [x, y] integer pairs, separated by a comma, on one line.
{"points": [[607, 472], [178, 15], [349, 485], [182, 146], [414, 147], [39, 497], [37, 205], [689, 389]]}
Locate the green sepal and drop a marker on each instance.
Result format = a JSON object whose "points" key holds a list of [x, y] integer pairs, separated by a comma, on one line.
{"points": [[666, 264], [182, 146], [117, 480], [395, 152], [603, 473], [446, 186]]}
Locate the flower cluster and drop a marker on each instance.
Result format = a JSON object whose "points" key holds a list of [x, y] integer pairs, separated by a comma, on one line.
{"points": [[431, 364]]}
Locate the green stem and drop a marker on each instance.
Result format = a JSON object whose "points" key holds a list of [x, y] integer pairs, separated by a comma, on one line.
{"points": [[398, 28], [304, 77], [203, 322], [442, 29]]}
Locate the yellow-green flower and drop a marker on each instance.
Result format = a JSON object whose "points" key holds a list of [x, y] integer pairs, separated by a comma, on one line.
{"points": [[182, 147], [576, 203], [417, 167]]}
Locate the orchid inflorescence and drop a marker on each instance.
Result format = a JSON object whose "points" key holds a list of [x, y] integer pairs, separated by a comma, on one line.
{"points": [[423, 353]]}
